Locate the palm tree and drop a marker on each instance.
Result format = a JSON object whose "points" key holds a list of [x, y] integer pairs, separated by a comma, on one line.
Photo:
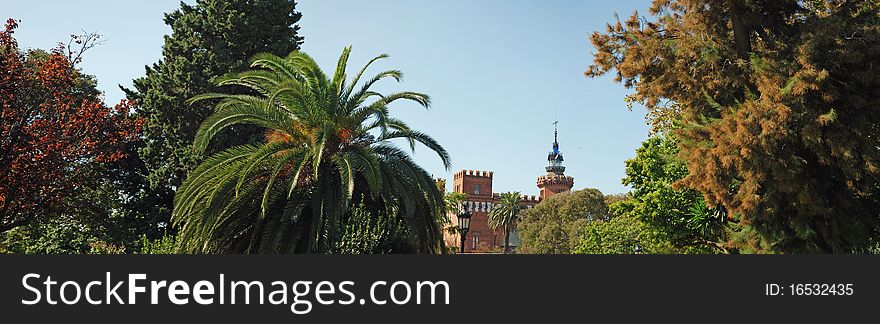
{"points": [[505, 215], [327, 147]]}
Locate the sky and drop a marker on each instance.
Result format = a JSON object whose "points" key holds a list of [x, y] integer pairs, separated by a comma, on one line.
{"points": [[499, 73]]}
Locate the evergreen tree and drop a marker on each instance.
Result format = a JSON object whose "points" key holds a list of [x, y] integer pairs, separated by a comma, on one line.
{"points": [[776, 106], [209, 39]]}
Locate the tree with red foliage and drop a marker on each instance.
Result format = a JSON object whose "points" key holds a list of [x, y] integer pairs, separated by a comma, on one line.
{"points": [[51, 131]]}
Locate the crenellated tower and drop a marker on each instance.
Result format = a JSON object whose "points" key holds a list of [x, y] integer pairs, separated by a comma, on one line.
{"points": [[473, 182], [555, 181], [477, 185]]}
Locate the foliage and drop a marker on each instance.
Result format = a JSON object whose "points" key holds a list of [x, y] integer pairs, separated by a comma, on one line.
{"points": [[680, 214], [65, 234], [162, 245], [70, 235], [555, 225], [364, 233], [327, 147], [452, 201], [505, 214], [208, 39], [612, 199], [58, 235], [101, 247], [775, 104], [55, 132], [623, 235]]}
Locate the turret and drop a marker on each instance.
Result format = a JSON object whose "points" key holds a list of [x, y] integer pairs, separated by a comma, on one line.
{"points": [[555, 181]]}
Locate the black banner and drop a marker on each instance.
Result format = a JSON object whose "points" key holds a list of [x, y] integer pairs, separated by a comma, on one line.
{"points": [[433, 289]]}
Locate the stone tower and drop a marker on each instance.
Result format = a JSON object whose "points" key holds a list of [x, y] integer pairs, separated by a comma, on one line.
{"points": [[555, 181]]}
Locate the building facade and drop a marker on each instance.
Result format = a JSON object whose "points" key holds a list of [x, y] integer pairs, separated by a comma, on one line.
{"points": [[477, 185]]}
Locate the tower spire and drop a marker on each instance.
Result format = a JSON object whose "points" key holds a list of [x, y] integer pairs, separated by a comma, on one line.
{"points": [[555, 140], [555, 181], [555, 123], [554, 159]]}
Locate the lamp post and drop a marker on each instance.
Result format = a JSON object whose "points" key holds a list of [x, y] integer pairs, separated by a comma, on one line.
{"points": [[464, 223]]}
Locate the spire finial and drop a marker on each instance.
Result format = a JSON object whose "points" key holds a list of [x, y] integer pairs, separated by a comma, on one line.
{"points": [[555, 131], [555, 141], [556, 122]]}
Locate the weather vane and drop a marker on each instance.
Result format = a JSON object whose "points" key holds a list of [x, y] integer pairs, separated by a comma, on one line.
{"points": [[554, 132]]}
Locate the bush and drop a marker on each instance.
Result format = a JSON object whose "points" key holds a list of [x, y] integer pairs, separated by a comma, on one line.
{"points": [[367, 233]]}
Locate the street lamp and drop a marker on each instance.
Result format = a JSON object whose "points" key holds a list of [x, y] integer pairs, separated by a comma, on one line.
{"points": [[464, 223]]}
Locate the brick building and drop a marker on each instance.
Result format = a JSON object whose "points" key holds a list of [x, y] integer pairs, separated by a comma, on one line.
{"points": [[480, 200]]}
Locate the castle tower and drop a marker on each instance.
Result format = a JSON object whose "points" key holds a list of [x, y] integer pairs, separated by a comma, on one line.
{"points": [[476, 184], [555, 181], [478, 187]]}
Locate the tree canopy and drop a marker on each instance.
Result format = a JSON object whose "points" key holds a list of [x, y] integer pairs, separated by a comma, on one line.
{"points": [[208, 39], [57, 133], [554, 226], [775, 104], [623, 235], [679, 215]]}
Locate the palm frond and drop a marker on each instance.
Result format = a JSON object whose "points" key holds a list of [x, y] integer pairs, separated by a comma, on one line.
{"points": [[292, 193], [339, 76], [425, 140], [259, 113]]}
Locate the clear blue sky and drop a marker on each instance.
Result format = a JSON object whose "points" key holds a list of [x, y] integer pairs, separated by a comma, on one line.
{"points": [[498, 72]]}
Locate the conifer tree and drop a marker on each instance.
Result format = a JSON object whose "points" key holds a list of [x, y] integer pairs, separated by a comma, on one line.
{"points": [[208, 39], [776, 104]]}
